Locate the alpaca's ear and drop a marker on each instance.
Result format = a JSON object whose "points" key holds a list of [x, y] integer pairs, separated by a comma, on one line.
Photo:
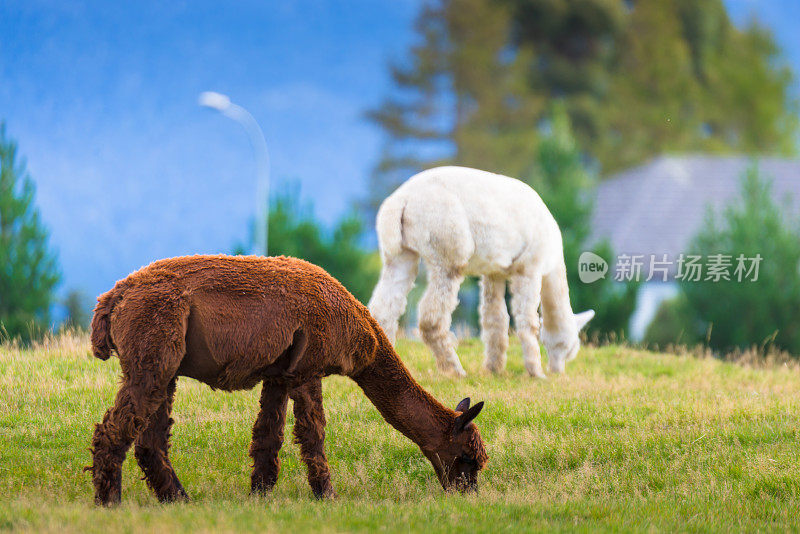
{"points": [[466, 418], [463, 406], [582, 318]]}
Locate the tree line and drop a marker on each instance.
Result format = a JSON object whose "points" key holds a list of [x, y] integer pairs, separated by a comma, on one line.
{"points": [[636, 79], [561, 92], [557, 93]]}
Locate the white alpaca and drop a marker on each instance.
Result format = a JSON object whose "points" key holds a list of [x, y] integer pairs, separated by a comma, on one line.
{"points": [[462, 222]]}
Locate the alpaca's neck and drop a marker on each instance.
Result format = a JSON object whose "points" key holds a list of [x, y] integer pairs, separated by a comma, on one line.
{"points": [[556, 308], [402, 401]]}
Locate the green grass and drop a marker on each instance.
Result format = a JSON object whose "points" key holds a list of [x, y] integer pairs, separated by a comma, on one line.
{"points": [[627, 440]]}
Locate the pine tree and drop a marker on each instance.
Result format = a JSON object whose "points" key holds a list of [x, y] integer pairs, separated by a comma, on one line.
{"points": [[28, 269], [762, 307]]}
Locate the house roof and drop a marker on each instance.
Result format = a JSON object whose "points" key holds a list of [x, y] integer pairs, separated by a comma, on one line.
{"points": [[658, 207]]}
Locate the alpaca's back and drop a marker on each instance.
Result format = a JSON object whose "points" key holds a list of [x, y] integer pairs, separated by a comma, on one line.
{"points": [[469, 218], [235, 316]]}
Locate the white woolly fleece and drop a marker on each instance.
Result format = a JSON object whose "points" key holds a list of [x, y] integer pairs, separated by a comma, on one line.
{"points": [[463, 221]]}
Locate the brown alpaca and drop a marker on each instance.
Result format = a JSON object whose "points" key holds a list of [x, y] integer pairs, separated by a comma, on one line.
{"points": [[232, 322]]}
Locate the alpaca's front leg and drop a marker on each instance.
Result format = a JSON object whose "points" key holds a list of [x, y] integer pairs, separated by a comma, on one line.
{"points": [[268, 438], [525, 297], [152, 452], [388, 301], [435, 314], [309, 432], [494, 322]]}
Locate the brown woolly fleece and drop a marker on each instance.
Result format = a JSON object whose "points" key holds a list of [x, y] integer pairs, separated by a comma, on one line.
{"points": [[232, 322]]}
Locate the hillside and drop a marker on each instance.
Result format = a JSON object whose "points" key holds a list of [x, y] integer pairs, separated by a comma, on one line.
{"points": [[626, 440]]}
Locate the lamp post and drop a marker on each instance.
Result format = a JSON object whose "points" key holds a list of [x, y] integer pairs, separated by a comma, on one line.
{"points": [[223, 104]]}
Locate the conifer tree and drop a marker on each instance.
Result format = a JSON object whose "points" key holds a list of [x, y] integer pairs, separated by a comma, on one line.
{"points": [[28, 269], [755, 302], [637, 79]]}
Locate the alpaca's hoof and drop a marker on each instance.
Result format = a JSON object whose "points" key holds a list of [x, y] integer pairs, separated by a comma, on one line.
{"points": [[107, 499], [494, 368], [107, 490], [535, 371], [327, 494], [261, 486], [177, 496], [456, 372], [451, 368]]}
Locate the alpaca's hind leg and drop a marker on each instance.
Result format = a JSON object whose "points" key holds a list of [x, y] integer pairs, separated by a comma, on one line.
{"points": [[388, 301], [151, 449], [309, 432], [435, 314], [138, 398], [525, 298], [494, 322], [268, 438]]}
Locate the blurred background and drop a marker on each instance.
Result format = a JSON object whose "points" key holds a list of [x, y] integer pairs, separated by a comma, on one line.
{"points": [[658, 127]]}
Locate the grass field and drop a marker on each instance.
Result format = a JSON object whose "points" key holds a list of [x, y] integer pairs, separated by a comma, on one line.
{"points": [[627, 440]]}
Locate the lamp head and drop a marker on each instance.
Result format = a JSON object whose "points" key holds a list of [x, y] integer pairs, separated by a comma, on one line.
{"points": [[213, 100]]}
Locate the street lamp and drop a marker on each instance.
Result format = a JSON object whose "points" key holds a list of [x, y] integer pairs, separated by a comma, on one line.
{"points": [[223, 104]]}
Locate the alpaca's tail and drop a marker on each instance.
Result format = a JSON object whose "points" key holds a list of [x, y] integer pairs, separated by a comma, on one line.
{"points": [[389, 226], [102, 344]]}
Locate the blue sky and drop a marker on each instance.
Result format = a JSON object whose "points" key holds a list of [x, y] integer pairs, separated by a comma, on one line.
{"points": [[101, 97]]}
